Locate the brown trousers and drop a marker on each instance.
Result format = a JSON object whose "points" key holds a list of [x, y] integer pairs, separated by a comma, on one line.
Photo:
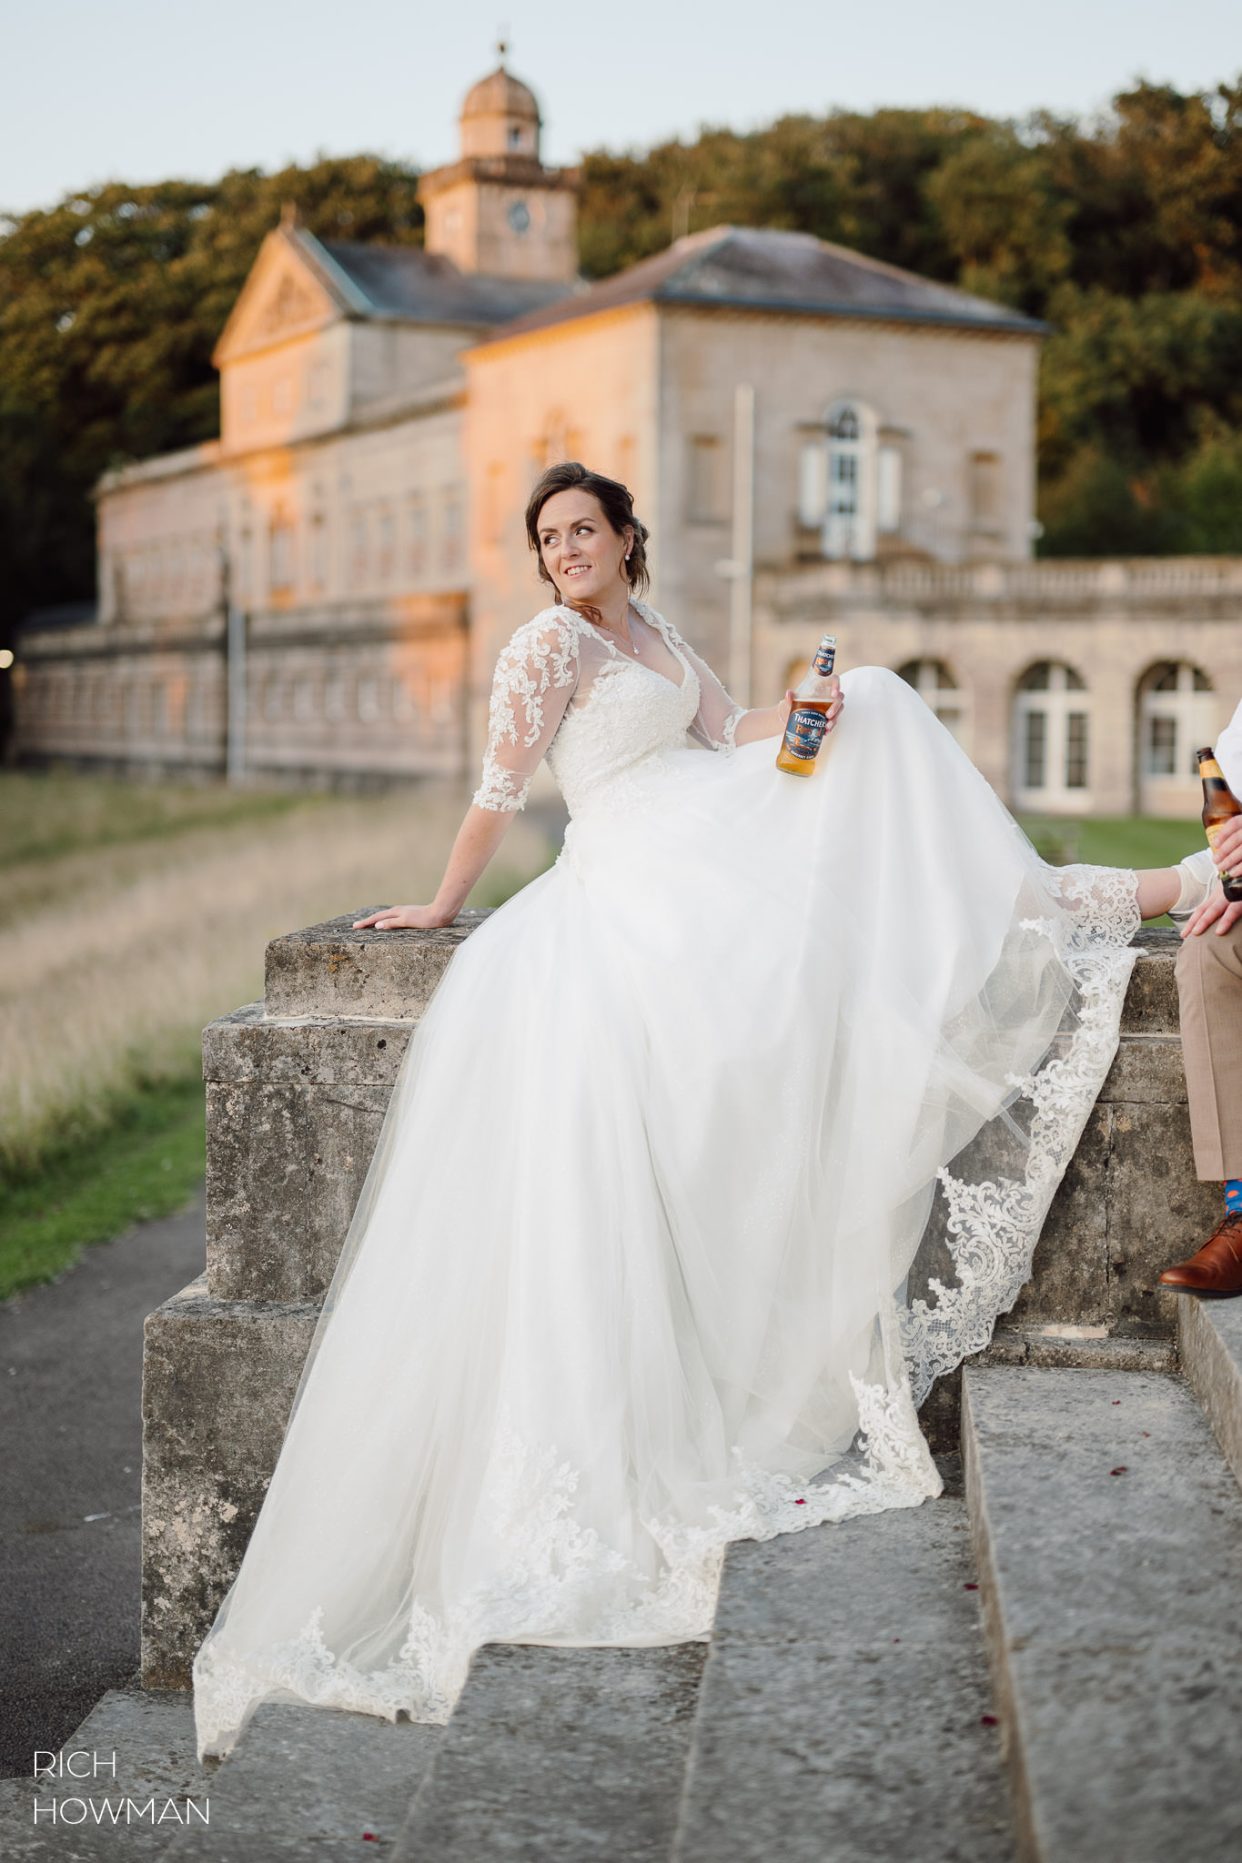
{"points": [[1209, 990]]}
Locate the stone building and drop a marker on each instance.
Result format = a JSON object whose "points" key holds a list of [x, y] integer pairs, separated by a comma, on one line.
{"points": [[812, 437]]}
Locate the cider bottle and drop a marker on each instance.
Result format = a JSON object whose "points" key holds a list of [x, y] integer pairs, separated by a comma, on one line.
{"points": [[808, 716], [1220, 805]]}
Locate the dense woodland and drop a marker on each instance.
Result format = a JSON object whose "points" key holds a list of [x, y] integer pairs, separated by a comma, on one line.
{"points": [[1124, 233]]}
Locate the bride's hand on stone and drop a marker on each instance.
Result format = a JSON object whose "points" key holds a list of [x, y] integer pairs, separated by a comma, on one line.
{"points": [[405, 918]]}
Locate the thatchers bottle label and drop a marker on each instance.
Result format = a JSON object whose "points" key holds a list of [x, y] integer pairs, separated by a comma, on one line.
{"points": [[1220, 805], [808, 717]]}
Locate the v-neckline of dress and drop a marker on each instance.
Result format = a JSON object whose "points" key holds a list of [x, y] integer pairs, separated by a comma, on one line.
{"points": [[628, 659]]}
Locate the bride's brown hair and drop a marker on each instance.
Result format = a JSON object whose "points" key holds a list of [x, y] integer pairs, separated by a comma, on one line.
{"points": [[617, 504]]}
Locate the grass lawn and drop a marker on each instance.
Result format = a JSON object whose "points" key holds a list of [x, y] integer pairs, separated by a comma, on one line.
{"points": [[1114, 841], [130, 916], [144, 1160]]}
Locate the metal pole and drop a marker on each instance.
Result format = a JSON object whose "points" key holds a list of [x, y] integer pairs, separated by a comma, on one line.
{"points": [[741, 582]]}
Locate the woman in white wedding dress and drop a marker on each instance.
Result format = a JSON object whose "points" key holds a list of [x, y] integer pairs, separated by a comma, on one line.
{"points": [[626, 1280]]}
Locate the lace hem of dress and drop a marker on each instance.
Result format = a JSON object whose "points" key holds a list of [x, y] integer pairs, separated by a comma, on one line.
{"points": [[562, 1583], [560, 1577]]}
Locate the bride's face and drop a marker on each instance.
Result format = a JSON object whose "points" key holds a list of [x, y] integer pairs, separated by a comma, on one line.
{"points": [[581, 551]]}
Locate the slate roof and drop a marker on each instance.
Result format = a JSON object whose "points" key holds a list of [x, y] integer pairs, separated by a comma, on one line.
{"points": [[422, 287], [760, 268]]}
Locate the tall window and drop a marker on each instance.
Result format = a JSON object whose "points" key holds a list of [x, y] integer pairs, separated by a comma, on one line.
{"points": [[280, 554], [984, 492], [837, 482], [1176, 716], [416, 535], [357, 547], [319, 551], [1051, 739], [451, 522], [387, 543], [936, 685]]}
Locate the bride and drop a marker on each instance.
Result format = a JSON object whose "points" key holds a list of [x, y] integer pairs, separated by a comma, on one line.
{"points": [[627, 1277]]}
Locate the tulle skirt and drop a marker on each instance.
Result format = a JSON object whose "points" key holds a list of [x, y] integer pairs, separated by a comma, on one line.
{"points": [[627, 1278]]}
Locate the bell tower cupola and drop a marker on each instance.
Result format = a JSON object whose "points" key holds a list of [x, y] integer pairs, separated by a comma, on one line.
{"points": [[497, 209]]}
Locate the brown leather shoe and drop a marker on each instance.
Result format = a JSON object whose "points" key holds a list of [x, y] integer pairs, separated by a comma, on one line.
{"points": [[1216, 1268]]}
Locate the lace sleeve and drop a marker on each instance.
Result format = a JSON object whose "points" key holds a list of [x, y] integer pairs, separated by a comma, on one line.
{"points": [[716, 721], [535, 677]]}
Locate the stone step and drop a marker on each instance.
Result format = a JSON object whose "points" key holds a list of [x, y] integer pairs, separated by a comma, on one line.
{"points": [[560, 1756], [219, 1378], [311, 1782], [218, 1382], [1053, 1343], [1108, 1534], [845, 1708], [1209, 1337], [135, 1746]]}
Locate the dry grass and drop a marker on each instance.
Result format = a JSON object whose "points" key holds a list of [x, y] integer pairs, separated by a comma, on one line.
{"points": [[113, 957]]}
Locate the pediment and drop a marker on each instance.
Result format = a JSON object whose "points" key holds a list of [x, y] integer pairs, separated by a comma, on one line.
{"points": [[281, 298]]}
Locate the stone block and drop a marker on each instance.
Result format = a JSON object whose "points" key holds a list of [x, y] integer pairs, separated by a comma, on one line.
{"points": [[1151, 1000], [294, 1110], [218, 1381], [331, 970]]}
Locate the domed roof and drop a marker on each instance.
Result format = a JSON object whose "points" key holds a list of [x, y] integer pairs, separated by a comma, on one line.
{"points": [[501, 94]]}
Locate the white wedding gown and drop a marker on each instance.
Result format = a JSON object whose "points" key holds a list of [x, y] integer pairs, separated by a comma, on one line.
{"points": [[626, 1280]]}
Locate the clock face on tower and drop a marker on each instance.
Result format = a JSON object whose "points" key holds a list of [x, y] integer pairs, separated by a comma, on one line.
{"points": [[519, 216]]}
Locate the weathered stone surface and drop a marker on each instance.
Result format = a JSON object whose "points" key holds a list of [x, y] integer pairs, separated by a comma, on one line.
{"points": [[1151, 1000], [1158, 1211], [1108, 1533], [1147, 1067], [309, 1782], [332, 970], [841, 1707], [294, 1110], [217, 1386], [150, 1736], [560, 1755], [1055, 1342], [294, 1050], [1209, 1336]]}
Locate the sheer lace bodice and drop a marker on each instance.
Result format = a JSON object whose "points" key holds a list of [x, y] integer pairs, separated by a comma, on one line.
{"points": [[563, 689]]}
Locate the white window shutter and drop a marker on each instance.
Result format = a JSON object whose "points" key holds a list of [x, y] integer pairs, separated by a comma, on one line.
{"points": [[813, 484], [888, 489]]}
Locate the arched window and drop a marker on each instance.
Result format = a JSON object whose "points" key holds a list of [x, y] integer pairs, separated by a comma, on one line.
{"points": [[1051, 739], [1176, 716], [837, 482], [935, 684]]}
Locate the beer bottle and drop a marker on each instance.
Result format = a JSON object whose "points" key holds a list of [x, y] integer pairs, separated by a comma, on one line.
{"points": [[1220, 805], [808, 716]]}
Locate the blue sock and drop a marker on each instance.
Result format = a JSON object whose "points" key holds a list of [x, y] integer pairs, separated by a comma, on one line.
{"points": [[1233, 1196]]}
